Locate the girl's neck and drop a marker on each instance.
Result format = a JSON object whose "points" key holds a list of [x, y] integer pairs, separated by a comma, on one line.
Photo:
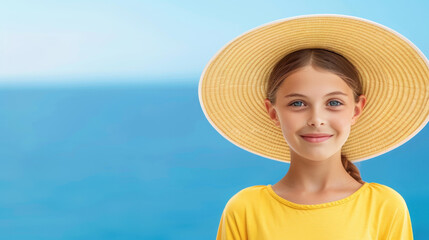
{"points": [[311, 176]]}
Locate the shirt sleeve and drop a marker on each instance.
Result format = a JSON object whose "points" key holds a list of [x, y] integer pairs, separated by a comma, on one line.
{"points": [[232, 224], [400, 227]]}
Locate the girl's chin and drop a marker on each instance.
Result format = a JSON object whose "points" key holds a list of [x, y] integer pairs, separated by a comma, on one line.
{"points": [[316, 156]]}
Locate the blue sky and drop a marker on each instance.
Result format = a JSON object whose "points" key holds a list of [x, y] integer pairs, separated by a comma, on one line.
{"points": [[156, 40]]}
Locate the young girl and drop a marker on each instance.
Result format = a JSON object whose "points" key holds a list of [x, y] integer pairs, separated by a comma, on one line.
{"points": [[318, 91]]}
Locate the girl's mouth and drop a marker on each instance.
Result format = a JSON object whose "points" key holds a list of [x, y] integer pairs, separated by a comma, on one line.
{"points": [[316, 139]]}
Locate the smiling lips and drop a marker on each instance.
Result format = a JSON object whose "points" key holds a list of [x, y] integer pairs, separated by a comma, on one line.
{"points": [[316, 138]]}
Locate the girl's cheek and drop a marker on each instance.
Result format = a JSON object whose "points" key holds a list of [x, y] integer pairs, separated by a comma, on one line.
{"points": [[342, 122]]}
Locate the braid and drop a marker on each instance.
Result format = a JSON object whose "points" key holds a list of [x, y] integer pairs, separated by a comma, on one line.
{"points": [[351, 169]]}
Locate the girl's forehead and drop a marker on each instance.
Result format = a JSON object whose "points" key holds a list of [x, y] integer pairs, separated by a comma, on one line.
{"points": [[311, 81], [309, 76], [305, 89]]}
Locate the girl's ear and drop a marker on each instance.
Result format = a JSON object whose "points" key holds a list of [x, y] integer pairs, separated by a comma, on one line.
{"points": [[359, 108], [272, 113]]}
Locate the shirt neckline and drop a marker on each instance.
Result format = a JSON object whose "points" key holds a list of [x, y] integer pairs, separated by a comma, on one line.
{"points": [[316, 206]]}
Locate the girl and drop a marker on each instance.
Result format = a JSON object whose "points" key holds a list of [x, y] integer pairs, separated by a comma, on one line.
{"points": [[317, 91]]}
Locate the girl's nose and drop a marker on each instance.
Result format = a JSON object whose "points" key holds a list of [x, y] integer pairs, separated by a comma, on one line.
{"points": [[315, 119]]}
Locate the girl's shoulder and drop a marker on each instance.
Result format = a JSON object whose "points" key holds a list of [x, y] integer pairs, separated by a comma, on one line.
{"points": [[375, 192], [381, 189], [385, 195], [247, 193], [374, 196], [246, 196]]}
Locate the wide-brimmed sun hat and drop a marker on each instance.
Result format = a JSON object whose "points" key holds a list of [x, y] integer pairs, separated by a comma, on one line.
{"points": [[394, 75]]}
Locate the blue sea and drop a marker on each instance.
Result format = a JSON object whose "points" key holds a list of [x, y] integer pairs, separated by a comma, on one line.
{"points": [[139, 161]]}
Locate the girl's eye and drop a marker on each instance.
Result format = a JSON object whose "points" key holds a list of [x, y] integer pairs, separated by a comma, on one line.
{"points": [[294, 105], [335, 101], [298, 103]]}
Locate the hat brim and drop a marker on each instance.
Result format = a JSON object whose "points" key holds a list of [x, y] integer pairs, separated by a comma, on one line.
{"points": [[394, 74]]}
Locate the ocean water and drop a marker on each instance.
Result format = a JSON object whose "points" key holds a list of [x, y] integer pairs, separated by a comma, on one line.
{"points": [[142, 162]]}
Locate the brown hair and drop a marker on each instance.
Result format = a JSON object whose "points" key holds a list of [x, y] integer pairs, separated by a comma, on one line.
{"points": [[324, 59]]}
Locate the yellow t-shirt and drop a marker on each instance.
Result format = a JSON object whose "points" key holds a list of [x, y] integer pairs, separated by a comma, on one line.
{"points": [[374, 211]]}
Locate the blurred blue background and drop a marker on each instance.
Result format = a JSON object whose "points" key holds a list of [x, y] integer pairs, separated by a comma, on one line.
{"points": [[101, 132]]}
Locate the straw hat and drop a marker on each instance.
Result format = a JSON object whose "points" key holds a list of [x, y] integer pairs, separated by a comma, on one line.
{"points": [[394, 75]]}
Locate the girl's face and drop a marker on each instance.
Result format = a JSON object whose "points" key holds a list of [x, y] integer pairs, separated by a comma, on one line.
{"points": [[315, 101]]}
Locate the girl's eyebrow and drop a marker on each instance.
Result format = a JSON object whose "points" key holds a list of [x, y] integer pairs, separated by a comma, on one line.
{"points": [[301, 95]]}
